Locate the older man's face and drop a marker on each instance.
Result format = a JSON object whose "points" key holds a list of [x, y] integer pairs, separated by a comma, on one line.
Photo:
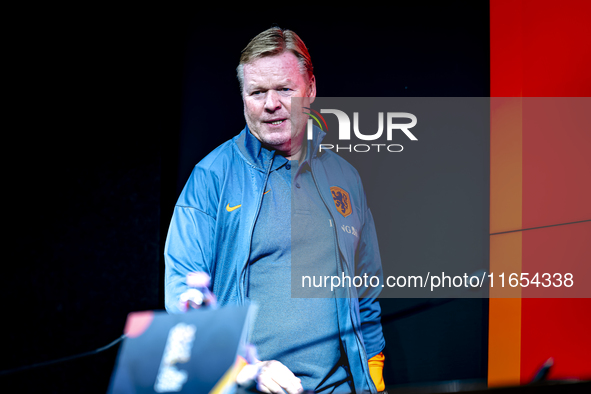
{"points": [[269, 85]]}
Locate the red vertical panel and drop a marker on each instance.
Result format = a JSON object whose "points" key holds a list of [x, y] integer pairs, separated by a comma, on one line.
{"points": [[506, 48], [558, 251], [557, 328], [556, 160], [556, 48], [556, 178]]}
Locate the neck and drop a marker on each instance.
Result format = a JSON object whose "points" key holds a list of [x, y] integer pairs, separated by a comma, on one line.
{"points": [[295, 149], [298, 154]]}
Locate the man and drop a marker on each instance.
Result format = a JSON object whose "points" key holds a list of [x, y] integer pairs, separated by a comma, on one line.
{"points": [[234, 221]]}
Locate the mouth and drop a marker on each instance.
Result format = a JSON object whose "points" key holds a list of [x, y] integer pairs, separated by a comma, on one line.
{"points": [[275, 122]]}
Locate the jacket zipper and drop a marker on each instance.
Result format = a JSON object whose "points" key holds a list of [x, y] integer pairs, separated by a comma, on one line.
{"points": [[243, 284], [359, 342]]}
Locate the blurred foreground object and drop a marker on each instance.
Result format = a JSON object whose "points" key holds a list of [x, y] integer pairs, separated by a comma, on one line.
{"points": [[199, 295]]}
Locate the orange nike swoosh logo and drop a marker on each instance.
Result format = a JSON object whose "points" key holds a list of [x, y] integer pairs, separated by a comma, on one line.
{"points": [[230, 209], [266, 192]]}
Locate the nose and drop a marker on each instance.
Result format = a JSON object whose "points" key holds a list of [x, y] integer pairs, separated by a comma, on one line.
{"points": [[272, 102]]}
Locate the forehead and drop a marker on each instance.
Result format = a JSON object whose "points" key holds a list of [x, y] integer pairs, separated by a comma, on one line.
{"points": [[273, 69]]}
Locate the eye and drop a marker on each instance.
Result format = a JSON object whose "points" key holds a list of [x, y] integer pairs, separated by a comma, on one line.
{"points": [[285, 89]]}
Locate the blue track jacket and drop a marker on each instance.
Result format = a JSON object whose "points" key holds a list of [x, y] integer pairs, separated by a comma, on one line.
{"points": [[205, 236]]}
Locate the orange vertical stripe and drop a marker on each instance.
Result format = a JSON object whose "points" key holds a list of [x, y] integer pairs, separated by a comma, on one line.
{"points": [[505, 164], [506, 74], [504, 346]]}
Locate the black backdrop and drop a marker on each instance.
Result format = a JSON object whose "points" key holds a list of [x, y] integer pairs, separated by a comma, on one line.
{"points": [[113, 107]]}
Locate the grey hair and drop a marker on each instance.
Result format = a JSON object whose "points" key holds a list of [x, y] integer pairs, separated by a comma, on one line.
{"points": [[275, 41]]}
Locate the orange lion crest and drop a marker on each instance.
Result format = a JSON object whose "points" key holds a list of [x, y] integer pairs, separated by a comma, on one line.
{"points": [[341, 200]]}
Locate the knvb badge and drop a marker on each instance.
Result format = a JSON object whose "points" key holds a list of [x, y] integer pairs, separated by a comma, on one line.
{"points": [[342, 201], [345, 130]]}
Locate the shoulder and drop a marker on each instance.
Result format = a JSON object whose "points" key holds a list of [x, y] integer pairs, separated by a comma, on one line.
{"points": [[217, 159], [207, 177]]}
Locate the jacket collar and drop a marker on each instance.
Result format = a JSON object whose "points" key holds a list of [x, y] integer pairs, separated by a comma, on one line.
{"points": [[252, 150], [260, 157], [313, 144]]}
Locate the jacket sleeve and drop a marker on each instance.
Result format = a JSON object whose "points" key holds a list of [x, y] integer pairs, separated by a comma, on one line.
{"points": [[368, 262], [188, 246]]}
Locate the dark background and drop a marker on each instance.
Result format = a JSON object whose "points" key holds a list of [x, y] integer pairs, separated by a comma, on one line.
{"points": [[113, 107]]}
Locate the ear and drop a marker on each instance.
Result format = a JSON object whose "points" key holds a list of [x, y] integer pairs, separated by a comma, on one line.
{"points": [[312, 89]]}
